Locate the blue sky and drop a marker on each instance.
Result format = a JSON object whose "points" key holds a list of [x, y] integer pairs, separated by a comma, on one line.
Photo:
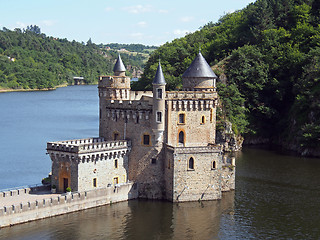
{"points": [[148, 22]]}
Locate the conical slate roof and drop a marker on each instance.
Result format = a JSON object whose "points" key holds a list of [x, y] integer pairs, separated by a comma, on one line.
{"points": [[119, 66], [159, 78], [199, 68]]}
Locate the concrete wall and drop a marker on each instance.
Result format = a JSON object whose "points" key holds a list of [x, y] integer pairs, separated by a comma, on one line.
{"points": [[62, 204]]}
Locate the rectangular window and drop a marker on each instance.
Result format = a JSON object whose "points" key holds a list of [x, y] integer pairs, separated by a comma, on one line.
{"points": [[159, 93], [146, 139], [116, 163], [182, 118], [94, 182], [159, 117]]}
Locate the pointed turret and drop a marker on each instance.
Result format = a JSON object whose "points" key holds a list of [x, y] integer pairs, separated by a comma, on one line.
{"points": [[159, 90], [159, 78], [199, 75], [119, 69]]}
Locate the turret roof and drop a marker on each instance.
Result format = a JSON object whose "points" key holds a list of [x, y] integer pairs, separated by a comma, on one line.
{"points": [[119, 66], [199, 68], [159, 78]]}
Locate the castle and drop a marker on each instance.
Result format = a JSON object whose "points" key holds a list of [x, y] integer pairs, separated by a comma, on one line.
{"points": [[161, 141]]}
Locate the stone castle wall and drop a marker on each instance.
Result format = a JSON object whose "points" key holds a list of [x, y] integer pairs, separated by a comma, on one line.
{"points": [[62, 204], [203, 180]]}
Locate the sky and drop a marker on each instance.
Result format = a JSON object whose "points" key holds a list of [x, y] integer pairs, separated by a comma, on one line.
{"points": [[148, 22]]}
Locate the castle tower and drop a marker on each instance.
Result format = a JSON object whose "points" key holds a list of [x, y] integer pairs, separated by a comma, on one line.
{"points": [[199, 76], [115, 87], [158, 111]]}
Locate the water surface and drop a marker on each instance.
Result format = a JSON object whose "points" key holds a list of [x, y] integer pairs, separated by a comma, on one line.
{"points": [[276, 196]]}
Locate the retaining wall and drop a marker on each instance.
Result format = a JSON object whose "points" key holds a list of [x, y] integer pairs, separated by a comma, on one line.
{"points": [[62, 204]]}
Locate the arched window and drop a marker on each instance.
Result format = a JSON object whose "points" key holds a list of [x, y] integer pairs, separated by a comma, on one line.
{"points": [[191, 163], [181, 137], [214, 165]]}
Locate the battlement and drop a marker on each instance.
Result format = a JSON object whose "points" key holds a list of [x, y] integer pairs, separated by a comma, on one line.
{"points": [[185, 95], [129, 105], [191, 150], [87, 145]]}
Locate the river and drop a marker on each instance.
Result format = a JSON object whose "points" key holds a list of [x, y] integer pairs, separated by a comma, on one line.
{"points": [[276, 196]]}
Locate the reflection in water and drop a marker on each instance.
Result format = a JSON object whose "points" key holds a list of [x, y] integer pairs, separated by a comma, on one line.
{"points": [[132, 220]]}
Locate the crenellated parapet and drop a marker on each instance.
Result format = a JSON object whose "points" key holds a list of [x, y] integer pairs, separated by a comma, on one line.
{"points": [[173, 95], [87, 149]]}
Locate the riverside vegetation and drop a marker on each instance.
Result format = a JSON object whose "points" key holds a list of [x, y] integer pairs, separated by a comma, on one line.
{"points": [[270, 55], [31, 60]]}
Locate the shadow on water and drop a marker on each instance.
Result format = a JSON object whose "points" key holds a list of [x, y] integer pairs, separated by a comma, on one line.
{"points": [[137, 219]]}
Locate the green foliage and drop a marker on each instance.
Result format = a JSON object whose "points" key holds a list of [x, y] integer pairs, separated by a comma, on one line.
{"points": [[270, 53], [30, 60]]}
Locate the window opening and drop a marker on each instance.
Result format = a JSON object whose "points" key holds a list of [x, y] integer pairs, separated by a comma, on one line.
{"points": [[146, 139], [191, 163], [181, 137], [94, 182], [159, 117], [159, 93], [116, 163], [182, 118]]}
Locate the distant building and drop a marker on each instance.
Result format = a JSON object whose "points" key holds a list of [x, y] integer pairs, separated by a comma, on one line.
{"points": [[163, 141]]}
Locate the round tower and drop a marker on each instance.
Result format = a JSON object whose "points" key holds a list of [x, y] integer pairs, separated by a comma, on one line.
{"points": [[199, 76], [115, 87], [158, 110]]}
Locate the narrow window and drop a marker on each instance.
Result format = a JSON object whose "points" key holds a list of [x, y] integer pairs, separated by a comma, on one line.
{"points": [[159, 117], [211, 115], [191, 164], [94, 182], [203, 120], [181, 137], [214, 165], [115, 180], [159, 93], [116, 163], [146, 139], [182, 118], [115, 136], [154, 161]]}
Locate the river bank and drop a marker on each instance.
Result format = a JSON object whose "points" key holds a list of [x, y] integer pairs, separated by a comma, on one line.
{"points": [[4, 90]]}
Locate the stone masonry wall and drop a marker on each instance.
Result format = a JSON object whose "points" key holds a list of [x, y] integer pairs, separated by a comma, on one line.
{"points": [[30, 211], [201, 183]]}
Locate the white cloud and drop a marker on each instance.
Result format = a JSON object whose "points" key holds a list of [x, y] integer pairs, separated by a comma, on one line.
{"points": [[180, 32], [137, 35], [142, 24], [186, 19], [21, 24], [48, 23], [138, 9], [163, 11], [108, 9]]}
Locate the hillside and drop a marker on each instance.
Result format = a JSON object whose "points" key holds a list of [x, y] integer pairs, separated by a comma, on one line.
{"points": [[270, 54], [31, 60]]}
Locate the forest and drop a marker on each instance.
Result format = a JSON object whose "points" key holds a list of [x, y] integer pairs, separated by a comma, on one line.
{"points": [[270, 55], [31, 60]]}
